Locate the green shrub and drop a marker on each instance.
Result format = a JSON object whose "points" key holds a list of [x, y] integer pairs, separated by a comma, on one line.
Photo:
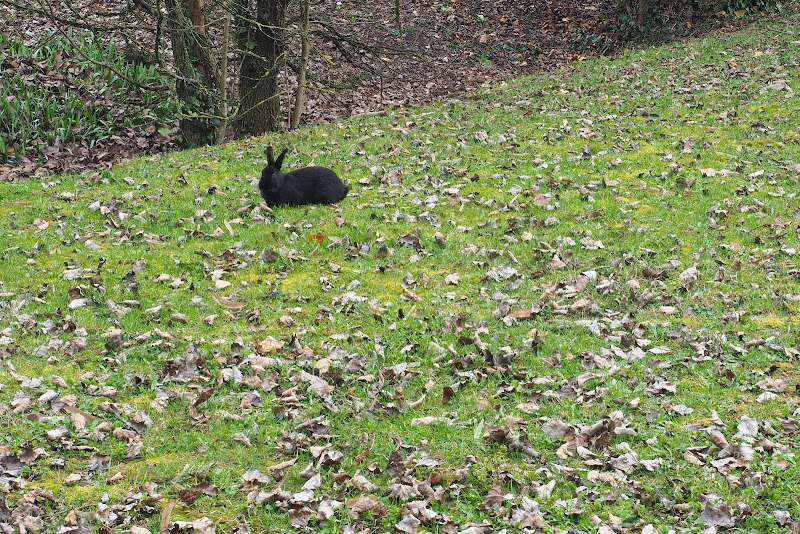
{"points": [[665, 19], [753, 6], [57, 91]]}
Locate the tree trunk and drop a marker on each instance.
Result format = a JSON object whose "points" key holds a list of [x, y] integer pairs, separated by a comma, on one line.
{"points": [[222, 129], [299, 95], [260, 106], [196, 10], [197, 77], [397, 15]]}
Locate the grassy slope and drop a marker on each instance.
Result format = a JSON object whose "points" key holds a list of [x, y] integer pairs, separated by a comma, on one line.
{"points": [[540, 164]]}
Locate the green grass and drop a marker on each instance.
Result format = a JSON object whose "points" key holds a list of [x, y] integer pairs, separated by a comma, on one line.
{"points": [[510, 187]]}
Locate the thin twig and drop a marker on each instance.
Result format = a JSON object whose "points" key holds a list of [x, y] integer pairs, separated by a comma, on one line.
{"points": [[73, 22], [223, 78], [103, 64]]}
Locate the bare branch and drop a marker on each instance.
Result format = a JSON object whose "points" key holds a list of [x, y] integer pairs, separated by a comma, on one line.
{"points": [[76, 22], [334, 34], [101, 63]]}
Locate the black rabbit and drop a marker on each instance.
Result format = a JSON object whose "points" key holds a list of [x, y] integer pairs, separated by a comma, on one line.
{"points": [[309, 185]]}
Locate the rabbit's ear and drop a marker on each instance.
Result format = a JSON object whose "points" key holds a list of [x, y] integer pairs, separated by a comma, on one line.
{"points": [[279, 161], [270, 160]]}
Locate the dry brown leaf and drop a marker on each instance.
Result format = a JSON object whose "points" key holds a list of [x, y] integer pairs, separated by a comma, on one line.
{"points": [[362, 484], [269, 345], [299, 518], [230, 303], [408, 524], [356, 507], [496, 433], [716, 512], [495, 497]]}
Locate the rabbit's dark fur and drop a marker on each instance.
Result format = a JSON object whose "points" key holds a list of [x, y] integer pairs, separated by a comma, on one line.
{"points": [[309, 185]]}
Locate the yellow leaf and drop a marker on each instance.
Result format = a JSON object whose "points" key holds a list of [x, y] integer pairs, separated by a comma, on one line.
{"points": [[521, 314], [270, 344]]}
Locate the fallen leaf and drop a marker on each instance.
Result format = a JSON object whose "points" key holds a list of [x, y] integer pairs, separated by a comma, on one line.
{"points": [[269, 345], [358, 506], [230, 303], [408, 524], [716, 512]]}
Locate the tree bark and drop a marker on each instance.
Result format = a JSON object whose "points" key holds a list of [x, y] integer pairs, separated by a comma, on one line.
{"points": [[196, 9], [222, 129], [264, 42], [197, 77]]}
